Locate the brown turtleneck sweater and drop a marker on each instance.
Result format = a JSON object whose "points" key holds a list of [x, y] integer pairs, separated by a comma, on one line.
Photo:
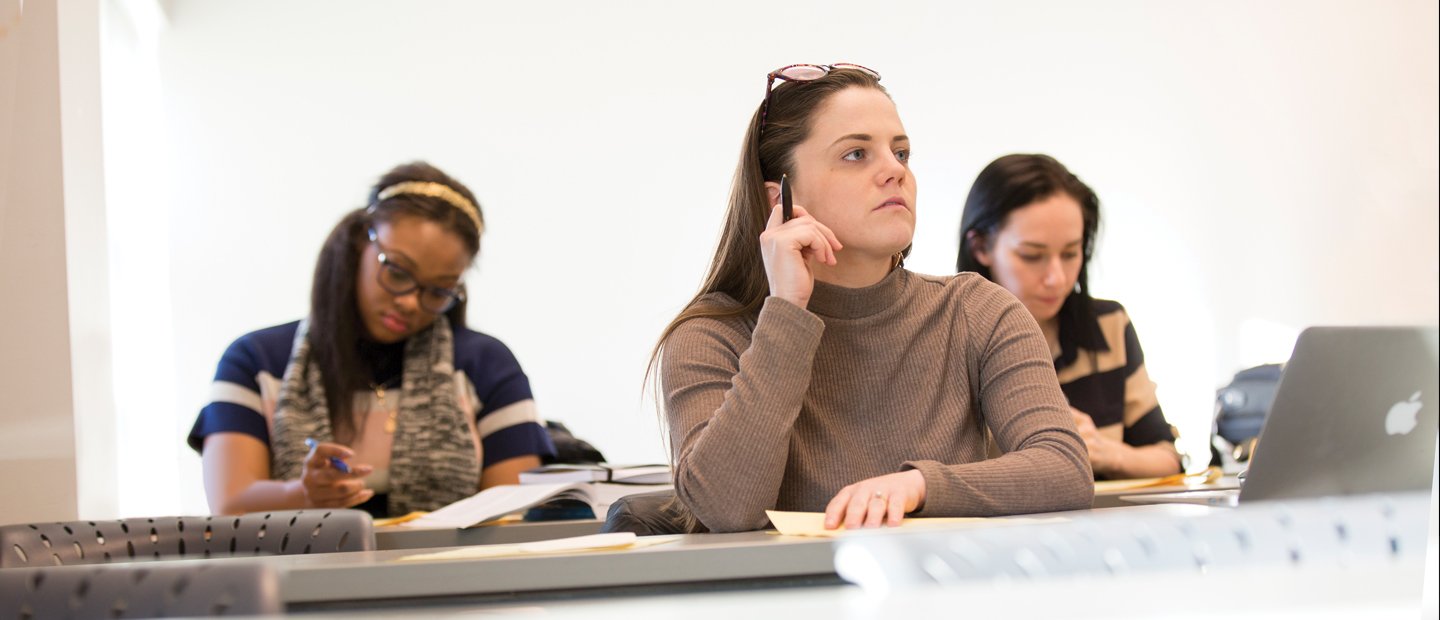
{"points": [[782, 411]]}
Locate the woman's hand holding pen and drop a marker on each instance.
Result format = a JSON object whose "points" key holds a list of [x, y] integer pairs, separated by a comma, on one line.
{"points": [[787, 248], [882, 500], [326, 486]]}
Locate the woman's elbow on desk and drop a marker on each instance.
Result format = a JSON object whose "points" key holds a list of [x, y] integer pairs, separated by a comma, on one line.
{"points": [[1065, 464], [1077, 491], [1083, 498], [716, 514], [720, 522]]}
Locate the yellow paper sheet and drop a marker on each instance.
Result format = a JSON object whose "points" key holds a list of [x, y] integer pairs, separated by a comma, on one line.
{"points": [[579, 544], [1205, 477], [813, 523], [387, 522], [394, 521]]}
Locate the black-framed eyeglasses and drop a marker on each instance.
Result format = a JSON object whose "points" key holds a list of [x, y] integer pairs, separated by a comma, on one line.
{"points": [[398, 281], [803, 73]]}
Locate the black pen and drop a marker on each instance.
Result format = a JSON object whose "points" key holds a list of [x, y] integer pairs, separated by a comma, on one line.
{"points": [[787, 205]]}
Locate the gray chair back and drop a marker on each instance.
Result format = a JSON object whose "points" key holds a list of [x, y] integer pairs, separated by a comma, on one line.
{"points": [[262, 533], [139, 591]]}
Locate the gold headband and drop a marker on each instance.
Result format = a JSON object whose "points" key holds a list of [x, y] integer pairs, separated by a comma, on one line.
{"points": [[436, 190]]}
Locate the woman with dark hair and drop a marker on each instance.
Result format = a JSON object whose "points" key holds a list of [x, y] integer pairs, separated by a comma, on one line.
{"points": [[1029, 225], [380, 398], [813, 372]]}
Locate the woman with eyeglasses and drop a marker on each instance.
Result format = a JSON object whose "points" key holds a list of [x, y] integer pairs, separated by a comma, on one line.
{"points": [[813, 372], [380, 398], [1029, 225]]}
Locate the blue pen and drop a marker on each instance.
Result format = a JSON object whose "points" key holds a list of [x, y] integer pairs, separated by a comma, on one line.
{"points": [[334, 460]]}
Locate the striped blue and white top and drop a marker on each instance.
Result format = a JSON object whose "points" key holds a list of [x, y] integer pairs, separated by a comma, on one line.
{"points": [[490, 384]]}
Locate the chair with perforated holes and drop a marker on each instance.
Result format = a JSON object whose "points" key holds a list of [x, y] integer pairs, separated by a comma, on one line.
{"points": [[285, 532], [140, 591]]}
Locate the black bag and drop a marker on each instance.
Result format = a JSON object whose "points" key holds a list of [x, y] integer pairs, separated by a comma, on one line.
{"points": [[569, 448], [651, 514]]}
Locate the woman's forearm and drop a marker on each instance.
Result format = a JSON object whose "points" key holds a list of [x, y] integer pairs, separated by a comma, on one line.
{"points": [[1154, 460], [259, 496], [731, 419]]}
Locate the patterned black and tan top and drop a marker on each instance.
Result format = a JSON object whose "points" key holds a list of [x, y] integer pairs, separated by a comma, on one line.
{"points": [[1112, 385]]}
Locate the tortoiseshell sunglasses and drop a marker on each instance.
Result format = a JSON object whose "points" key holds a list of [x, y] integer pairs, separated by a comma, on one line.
{"points": [[803, 73]]}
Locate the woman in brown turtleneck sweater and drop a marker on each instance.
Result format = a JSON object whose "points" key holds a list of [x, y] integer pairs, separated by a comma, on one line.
{"points": [[813, 372]]}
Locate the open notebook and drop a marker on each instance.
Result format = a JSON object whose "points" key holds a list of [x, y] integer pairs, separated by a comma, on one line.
{"points": [[507, 499]]}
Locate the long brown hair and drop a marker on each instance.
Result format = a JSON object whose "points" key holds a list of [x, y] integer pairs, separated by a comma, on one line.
{"points": [[336, 328], [737, 269]]}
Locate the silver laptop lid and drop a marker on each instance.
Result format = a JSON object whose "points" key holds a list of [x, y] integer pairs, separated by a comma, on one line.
{"points": [[1355, 412]]}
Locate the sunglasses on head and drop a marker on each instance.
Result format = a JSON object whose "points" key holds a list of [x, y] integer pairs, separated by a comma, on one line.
{"points": [[803, 73]]}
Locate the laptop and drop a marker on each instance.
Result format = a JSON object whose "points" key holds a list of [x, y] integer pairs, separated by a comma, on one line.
{"points": [[1354, 413]]}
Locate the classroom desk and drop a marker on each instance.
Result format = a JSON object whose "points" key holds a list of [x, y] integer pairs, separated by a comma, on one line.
{"points": [[687, 563], [690, 572], [1376, 592], [396, 537], [693, 562], [1111, 499]]}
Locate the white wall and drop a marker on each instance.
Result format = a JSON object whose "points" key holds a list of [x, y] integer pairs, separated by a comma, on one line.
{"points": [[138, 200], [37, 428], [57, 449], [1260, 164], [87, 242]]}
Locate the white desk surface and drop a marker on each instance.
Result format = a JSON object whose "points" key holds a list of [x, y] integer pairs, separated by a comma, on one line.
{"points": [[1370, 592], [1111, 499], [688, 562]]}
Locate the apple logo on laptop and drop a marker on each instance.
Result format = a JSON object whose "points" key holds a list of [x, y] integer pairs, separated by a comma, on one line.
{"points": [[1401, 418]]}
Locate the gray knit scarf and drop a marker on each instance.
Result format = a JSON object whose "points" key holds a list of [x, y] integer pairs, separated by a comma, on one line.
{"points": [[433, 456]]}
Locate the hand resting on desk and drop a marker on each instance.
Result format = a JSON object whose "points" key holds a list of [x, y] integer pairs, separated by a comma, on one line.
{"points": [[876, 501]]}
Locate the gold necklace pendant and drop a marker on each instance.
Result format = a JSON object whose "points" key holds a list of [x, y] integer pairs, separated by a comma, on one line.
{"points": [[380, 401]]}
